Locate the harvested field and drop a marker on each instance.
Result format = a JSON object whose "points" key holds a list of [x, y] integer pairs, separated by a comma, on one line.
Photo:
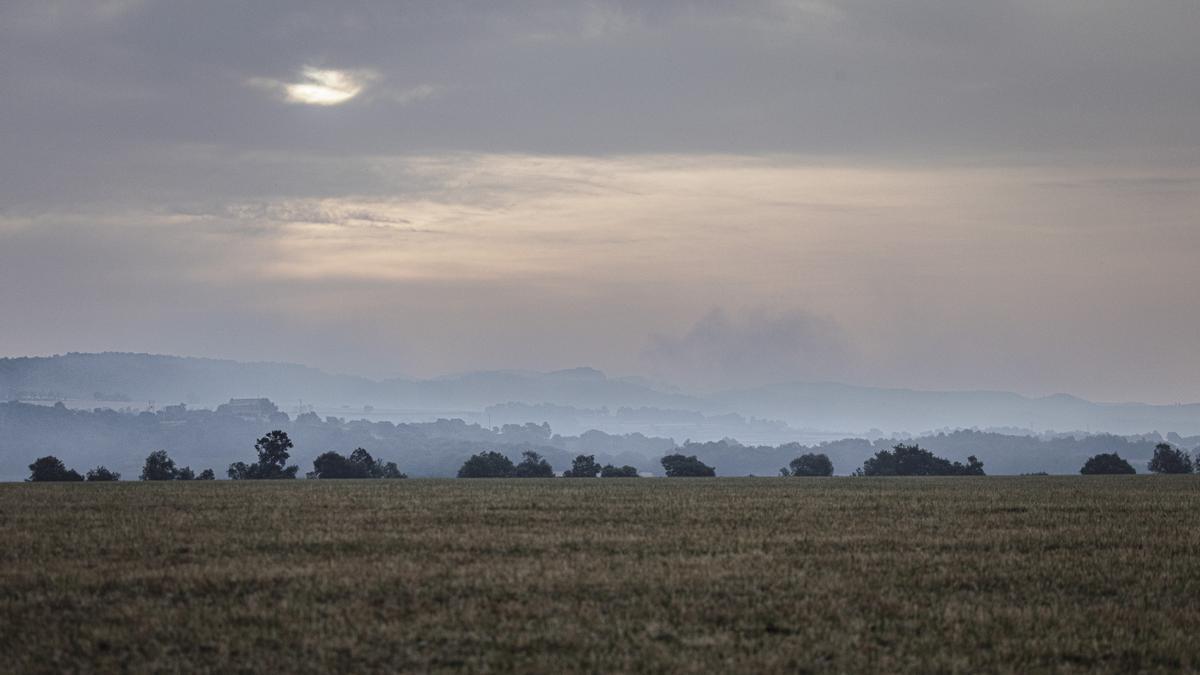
{"points": [[1068, 574]]}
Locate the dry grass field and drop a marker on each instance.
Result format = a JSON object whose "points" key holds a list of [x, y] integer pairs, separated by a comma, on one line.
{"points": [[1068, 574]]}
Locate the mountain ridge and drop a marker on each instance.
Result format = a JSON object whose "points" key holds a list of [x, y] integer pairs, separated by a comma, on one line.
{"points": [[811, 405]]}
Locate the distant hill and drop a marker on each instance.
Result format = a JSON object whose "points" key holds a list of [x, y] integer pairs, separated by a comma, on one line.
{"points": [[139, 378], [200, 381], [173, 379], [839, 406]]}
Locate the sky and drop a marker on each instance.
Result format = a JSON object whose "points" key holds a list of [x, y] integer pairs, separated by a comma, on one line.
{"points": [[936, 195]]}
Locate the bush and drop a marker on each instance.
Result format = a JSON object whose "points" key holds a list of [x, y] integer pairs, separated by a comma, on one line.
{"points": [[809, 465], [1106, 463], [101, 474], [240, 471], [533, 466], [584, 466], [51, 469], [912, 460], [260, 471], [389, 470], [360, 464], [490, 464], [373, 468], [610, 471], [159, 466], [1170, 460], [680, 466], [272, 460], [206, 474], [334, 465]]}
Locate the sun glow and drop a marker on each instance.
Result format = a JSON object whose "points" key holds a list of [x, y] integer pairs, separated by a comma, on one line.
{"points": [[325, 87]]}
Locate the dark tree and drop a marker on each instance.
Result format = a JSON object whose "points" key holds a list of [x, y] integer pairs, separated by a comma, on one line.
{"points": [[51, 469], [1106, 463], [364, 461], [101, 474], [158, 466], [610, 471], [185, 473], [1170, 460], [360, 464], [206, 474], [373, 468], [533, 465], [681, 466], [334, 465], [273, 449], [272, 460], [389, 470], [913, 460], [490, 464], [974, 466], [583, 466], [809, 465]]}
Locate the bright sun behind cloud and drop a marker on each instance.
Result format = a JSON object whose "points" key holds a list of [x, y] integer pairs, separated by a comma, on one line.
{"points": [[325, 87], [319, 86]]}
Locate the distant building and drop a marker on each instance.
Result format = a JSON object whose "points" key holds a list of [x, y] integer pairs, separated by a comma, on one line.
{"points": [[176, 414], [250, 409]]}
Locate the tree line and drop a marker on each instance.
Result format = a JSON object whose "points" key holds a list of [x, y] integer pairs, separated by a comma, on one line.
{"points": [[438, 448], [273, 452]]}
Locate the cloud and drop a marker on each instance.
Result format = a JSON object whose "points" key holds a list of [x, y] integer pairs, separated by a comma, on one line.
{"points": [[420, 92], [537, 184], [946, 277], [324, 87], [320, 86], [588, 21], [60, 15], [874, 80], [751, 348]]}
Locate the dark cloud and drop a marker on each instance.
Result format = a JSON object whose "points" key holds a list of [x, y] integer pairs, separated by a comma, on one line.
{"points": [[531, 183], [875, 79], [150, 99]]}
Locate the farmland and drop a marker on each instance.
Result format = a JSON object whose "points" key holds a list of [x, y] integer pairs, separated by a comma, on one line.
{"points": [[1068, 574]]}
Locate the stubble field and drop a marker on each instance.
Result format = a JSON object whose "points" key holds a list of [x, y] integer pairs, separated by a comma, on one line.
{"points": [[1067, 574]]}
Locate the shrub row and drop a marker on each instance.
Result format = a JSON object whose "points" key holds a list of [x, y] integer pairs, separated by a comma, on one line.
{"points": [[273, 453]]}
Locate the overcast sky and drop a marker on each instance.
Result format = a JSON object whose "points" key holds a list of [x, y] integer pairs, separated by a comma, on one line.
{"points": [[929, 194]]}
